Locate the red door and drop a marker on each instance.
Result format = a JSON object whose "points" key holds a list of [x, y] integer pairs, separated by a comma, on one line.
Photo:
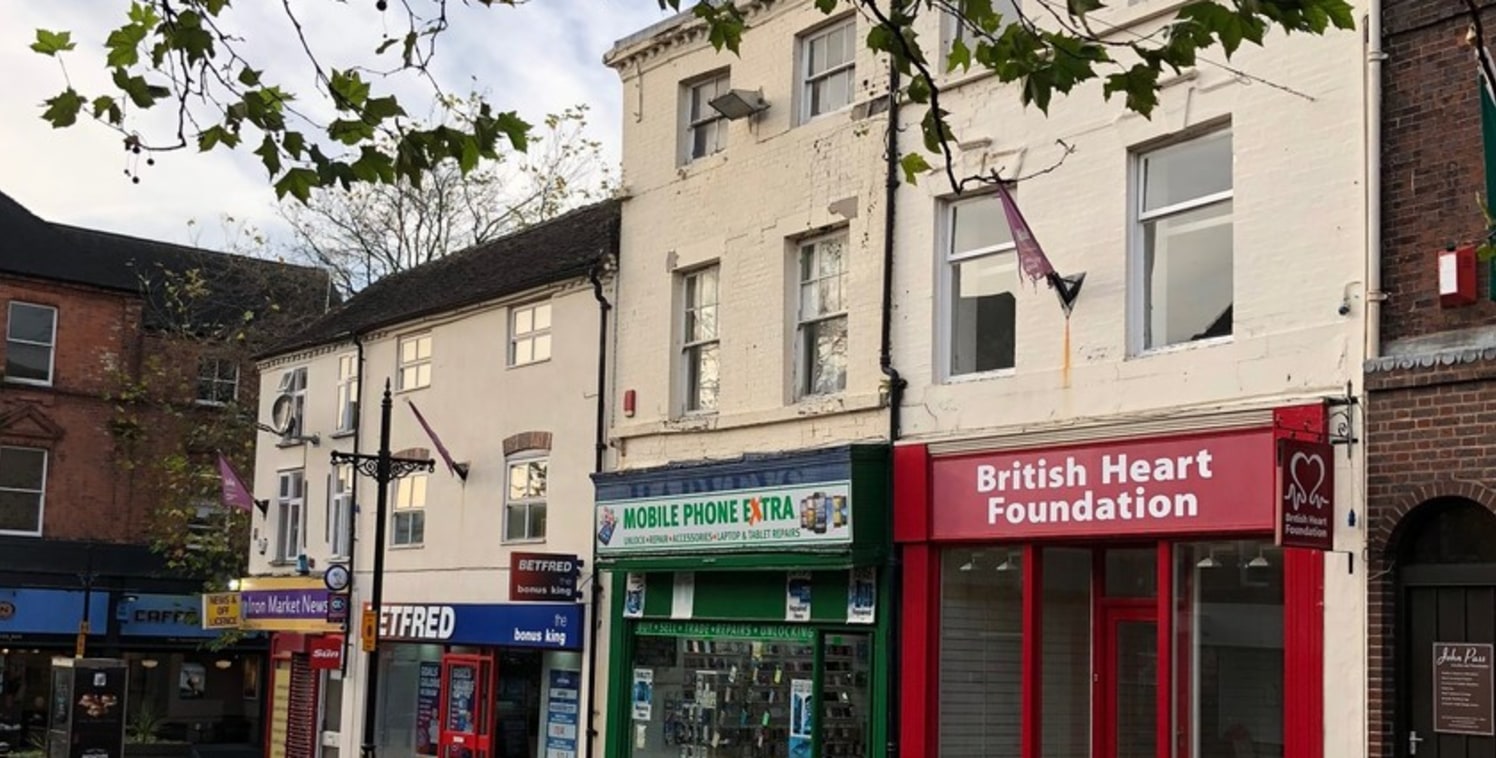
{"points": [[1126, 683], [466, 706]]}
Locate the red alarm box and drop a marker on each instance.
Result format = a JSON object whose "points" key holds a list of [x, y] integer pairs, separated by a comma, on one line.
{"points": [[1457, 276]]}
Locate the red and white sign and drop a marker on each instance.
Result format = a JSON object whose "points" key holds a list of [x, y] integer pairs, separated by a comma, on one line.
{"points": [[1306, 495], [325, 652], [1218, 482]]}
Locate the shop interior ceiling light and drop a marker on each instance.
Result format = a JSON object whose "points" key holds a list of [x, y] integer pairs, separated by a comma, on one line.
{"points": [[149, 663], [1259, 562], [1209, 561], [1010, 563], [970, 564], [223, 663]]}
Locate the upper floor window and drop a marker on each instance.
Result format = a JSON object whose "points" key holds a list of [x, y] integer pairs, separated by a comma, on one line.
{"points": [[23, 490], [822, 320], [955, 28], [293, 386], [206, 525], [408, 521], [340, 511], [415, 362], [1183, 216], [827, 69], [217, 381], [290, 513], [706, 129], [347, 392], [524, 505], [30, 339], [530, 334], [981, 273], [699, 341]]}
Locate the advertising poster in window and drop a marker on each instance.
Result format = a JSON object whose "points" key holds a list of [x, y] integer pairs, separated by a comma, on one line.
{"points": [[797, 596], [192, 681], [461, 684], [428, 699], [643, 694], [802, 706], [862, 594], [633, 596], [561, 714]]}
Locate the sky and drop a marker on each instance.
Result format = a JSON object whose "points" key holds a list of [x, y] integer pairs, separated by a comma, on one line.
{"points": [[537, 58]]}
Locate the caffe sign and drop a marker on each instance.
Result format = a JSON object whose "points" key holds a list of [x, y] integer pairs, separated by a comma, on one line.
{"points": [[808, 515]]}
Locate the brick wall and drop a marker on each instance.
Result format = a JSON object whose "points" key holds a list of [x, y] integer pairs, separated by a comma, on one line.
{"points": [[89, 496]]}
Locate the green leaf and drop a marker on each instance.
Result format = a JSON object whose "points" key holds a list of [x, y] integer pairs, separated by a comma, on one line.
{"points": [[139, 92], [516, 129], [294, 143], [350, 131], [826, 6], [208, 138], [249, 77], [269, 155], [123, 45], [1080, 8], [51, 43], [914, 164], [378, 109], [919, 90], [105, 105], [960, 56], [386, 45], [62, 110], [468, 160], [1139, 83], [349, 90], [298, 183]]}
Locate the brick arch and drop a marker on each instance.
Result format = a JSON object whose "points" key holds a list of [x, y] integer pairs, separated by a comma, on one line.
{"points": [[516, 443], [1392, 527]]}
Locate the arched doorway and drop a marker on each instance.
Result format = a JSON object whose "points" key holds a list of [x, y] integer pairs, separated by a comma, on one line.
{"points": [[1446, 572]]}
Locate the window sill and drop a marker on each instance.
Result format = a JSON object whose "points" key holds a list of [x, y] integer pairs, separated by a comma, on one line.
{"points": [[412, 546], [1183, 347], [526, 541], [30, 383], [954, 80], [342, 434], [408, 390], [981, 376], [528, 363], [7, 533], [287, 444], [818, 406], [282, 562]]}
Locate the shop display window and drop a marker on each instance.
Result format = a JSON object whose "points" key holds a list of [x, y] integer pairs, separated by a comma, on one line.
{"points": [[742, 697], [1109, 677]]}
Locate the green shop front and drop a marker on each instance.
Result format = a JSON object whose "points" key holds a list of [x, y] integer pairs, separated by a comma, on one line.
{"points": [[750, 606]]}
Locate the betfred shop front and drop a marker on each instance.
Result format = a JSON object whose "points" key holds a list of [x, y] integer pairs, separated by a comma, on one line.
{"points": [[1117, 597], [750, 614]]}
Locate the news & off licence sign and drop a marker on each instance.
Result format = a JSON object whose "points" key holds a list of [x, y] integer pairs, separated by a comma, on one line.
{"points": [[221, 610], [772, 517]]}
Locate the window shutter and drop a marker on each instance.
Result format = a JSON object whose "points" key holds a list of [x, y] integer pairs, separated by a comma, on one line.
{"points": [[301, 721]]}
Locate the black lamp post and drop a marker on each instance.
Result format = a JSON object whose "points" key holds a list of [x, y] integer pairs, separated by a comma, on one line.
{"points": [[385, 469]]}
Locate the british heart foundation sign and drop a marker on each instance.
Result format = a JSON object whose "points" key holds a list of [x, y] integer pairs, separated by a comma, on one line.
{"points": [[1306, 495], [1218, 482]]}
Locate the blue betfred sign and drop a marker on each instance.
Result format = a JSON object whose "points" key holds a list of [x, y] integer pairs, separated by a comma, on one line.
{"points": [[556, 626], [50, 611]]}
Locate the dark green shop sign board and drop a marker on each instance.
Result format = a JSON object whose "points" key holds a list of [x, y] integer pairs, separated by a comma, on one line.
{"points": [[711, 631]]}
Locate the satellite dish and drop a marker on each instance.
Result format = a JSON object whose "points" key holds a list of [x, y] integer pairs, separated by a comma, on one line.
{"points": [[283, 415]]}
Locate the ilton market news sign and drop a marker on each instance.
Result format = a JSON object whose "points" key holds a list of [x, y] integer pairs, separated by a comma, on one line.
{"points": [[816, 514]]}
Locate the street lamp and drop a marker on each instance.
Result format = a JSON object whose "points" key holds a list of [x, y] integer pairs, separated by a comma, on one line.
{"points": [[384, 468]]}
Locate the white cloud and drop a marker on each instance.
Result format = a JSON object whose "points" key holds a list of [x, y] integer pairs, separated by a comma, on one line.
{"points": [[536, 58]]}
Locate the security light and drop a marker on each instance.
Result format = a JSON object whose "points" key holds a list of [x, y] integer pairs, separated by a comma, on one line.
{"points": [[738, 103]]}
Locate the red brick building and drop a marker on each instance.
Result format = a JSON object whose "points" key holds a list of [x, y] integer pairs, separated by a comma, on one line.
{"points": [[96, 328], [1431, 410]]}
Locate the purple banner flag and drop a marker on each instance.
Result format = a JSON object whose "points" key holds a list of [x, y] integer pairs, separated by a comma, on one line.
{"points": [[1031, 257], [235, 493], [454, 467]]}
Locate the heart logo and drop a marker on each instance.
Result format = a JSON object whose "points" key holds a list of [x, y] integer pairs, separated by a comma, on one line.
{"points": [[1300, 468]]}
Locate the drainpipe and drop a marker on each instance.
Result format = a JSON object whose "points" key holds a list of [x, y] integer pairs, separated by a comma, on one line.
{"points": [[599, 447], [1372, 94], [358, 417], [896, 386]]}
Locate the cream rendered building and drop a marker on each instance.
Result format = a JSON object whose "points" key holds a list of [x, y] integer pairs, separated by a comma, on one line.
{"points": [[498, 348]]}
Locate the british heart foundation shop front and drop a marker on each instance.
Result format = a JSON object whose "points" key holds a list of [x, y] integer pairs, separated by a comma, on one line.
{"points": [[1118, 597]]}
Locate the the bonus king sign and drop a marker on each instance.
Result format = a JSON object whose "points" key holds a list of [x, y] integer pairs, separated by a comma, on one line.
{"points": [[1306, 495]]}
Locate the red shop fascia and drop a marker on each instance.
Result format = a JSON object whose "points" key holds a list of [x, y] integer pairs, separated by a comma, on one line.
{"points": [[1120, 596]]}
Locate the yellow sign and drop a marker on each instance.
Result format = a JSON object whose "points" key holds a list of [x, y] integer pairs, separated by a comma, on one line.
{"points": [[221, 610], [369, 630]]}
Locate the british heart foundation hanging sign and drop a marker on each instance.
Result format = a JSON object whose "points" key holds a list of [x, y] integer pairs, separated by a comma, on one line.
{"points": [[1218, 482], [1306, 495]]}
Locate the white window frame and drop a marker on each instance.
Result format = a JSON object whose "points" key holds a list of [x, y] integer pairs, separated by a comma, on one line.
{"points": [[533, 336], [949, 259], [696, 114], [215, 381], [528, 502], [803, 389], [409, 511], [41, 495], [951, 29], [807, 80], [414, 364], [689, 388], [293, 382], [348, 393], [340, 484], [50, 345], [290, 514], [1138, 258]]}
